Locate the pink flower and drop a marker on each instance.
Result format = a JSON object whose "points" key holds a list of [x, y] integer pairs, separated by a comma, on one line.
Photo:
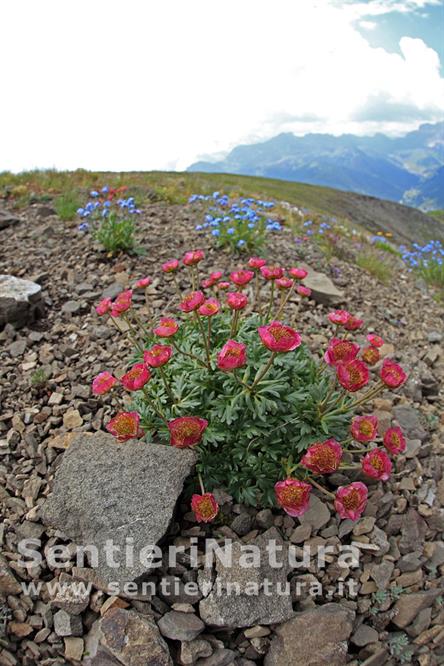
{"points": [[211, 280], [272, 272], [205, 507], [394, 441], [170, 266], [104, 306], [256, 262], [209, 308], [353, 375], [279, 338], [166, 328], [375, 340], [232, 355], [392, 374], [142, 283], [224, 285], [339, 317], [323, 457], [297, 273], [370, 355], [377, 464], [136, 378], [192, 301], [186, 431], [351, 500], [103, 383], [193, 257], [284, 283], [124, 426], [122, 303], [157, 356], [303, 291], [364, 428], [353, 323], [340, 351], [241, 278], [236, 300], [293, 496]]}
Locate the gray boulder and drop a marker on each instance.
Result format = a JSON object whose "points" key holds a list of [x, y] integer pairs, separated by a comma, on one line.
{"points": [[7, 219], [21, 301], [109, 493], [322, 288], [244, 595], [316, 636]]}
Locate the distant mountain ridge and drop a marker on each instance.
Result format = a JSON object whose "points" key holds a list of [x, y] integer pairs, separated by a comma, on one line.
{"points": [[407, 169]]}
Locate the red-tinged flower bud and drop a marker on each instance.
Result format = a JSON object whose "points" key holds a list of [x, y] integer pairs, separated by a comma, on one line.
{"points": [[157, 356], [323, 457], [377, 464], [297, 273], [364, 428], [104, 306], [170, 266], [353, 323], [256, 262], [124, 426], [394, 441], [192, 301], [209, 308], [103, 383], [233, 355], [142, 283], [236, 300], [211, 280], [392, 374], [166, 328], [375, 340], [224, 285], [340, 351], [136, 378], [122, 303], [303, 291], [279, 338], [293, 496], [370, 355], [284, 283], [272, 272], [192, 258], [353, 375], [339, 317], [205, 507], [241, 278], [186, 431], [351, 500]]}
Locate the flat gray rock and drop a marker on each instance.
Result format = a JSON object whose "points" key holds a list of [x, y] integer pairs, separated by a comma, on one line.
{"points": [[322, 288], [7, 219], [21, 301], [119, 493], [239, 598], [316, 636]]}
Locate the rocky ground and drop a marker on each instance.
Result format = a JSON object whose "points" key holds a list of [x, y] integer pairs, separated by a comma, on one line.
{"points": [[397, 615]]}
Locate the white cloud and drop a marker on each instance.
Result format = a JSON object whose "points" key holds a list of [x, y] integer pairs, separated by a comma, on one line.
{"points": [[115, 84], [368, 25]]}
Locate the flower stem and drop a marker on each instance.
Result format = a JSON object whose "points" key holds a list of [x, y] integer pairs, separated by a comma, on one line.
{"points": [[167, 385], [133, 333], [270, 304], [153, 405], [321, 488], [205, 341], [284, 301], [257, 294], [202, 487], [182, 351], [264, 371]]}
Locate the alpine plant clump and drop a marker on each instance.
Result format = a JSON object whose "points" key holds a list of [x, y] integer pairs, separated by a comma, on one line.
{"points": [[226, 372], [241, 224]]}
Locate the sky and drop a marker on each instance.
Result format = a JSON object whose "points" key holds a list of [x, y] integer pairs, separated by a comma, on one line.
{"points": [[157, 84]]}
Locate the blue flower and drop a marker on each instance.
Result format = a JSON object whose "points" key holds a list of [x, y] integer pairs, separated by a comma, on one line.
{"points": [[215, 232], [230, 231], [105, 189], [240, 243], [94, 194], [84, 226]]}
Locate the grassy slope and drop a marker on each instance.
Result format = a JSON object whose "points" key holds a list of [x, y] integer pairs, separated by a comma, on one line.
{"points": [[406, 224]]}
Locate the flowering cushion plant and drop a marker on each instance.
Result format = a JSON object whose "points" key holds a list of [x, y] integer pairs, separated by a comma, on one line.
{"points": [[227, 373]]}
